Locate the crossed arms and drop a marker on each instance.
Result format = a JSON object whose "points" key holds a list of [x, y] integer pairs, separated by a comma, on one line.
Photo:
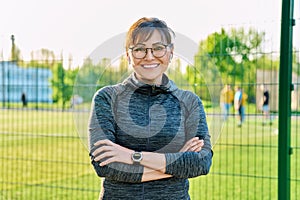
{"points": [[113, 161]]}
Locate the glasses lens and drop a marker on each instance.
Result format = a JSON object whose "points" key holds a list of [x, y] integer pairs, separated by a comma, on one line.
{"points": [[139, 52], [159, 51]]}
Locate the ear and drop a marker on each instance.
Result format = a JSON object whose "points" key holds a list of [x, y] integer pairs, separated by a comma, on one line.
{"points": [[128, 58], [171, 56]]}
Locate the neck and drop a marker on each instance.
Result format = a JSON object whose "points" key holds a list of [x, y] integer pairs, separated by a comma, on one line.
{"points": [[156, 82]]}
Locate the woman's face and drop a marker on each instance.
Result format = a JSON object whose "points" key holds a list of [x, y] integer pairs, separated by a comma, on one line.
{"points": [[150, 69]]}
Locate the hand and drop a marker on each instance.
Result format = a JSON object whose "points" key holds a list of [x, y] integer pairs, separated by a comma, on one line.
{"points": [[111, 152], [193, 145], [150, 175]]}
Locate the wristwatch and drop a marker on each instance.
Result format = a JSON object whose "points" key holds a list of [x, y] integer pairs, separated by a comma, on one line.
{"points": [[137, 157]]}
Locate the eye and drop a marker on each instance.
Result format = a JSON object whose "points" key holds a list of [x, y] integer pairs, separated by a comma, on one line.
{"points": [[158, 48], [139, 49]]}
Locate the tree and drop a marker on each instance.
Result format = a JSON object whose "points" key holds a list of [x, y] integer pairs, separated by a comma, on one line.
{"points": [[90, 77], [42, 58], [62, 83], [232, 55]]}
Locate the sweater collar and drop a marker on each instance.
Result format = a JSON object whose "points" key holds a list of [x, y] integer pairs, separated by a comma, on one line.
{"points": [[167, 85]]}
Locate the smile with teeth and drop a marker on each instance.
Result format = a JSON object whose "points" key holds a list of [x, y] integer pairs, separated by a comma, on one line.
{"points": [[150, 66]]}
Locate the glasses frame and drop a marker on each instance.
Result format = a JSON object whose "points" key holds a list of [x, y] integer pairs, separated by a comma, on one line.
{"points": [[146, 51]]}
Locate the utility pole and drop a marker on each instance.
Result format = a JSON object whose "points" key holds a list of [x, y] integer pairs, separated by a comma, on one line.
{"points": [[13, 48]]}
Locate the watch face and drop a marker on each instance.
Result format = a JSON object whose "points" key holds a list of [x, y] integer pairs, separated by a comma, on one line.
{"points": [[137, 156]]}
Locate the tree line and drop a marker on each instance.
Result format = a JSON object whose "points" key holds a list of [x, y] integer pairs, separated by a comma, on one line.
{"points": [[234, 55]]}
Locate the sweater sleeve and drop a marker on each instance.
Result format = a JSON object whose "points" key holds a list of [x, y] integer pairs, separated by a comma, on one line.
{"points": [[192, 164], [102, 126]]}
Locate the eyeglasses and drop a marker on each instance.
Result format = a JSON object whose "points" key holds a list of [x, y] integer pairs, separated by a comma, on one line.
{"points": [[158, 51]]}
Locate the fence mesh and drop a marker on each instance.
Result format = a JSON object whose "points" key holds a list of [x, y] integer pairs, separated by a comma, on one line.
{"points": [[43, 147]]}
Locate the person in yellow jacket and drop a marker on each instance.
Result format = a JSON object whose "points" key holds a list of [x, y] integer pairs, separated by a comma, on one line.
{"points": [[240, 99], [226, 100]]}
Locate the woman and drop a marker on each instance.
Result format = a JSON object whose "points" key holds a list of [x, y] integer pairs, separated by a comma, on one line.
{"points": [[147, 137]]}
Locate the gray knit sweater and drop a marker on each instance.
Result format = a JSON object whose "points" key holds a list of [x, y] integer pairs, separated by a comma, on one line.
{"points": [[154, 119]]}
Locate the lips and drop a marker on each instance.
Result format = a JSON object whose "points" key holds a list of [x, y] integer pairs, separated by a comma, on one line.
{"points": [[150, 66]]}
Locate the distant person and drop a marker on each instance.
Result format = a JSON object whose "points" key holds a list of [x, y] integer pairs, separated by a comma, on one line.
{"points": [[240, 98], [75, 100], [24, 100], [265, 105], [226, 100]]}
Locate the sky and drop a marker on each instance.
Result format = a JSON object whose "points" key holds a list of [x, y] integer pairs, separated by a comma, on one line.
{"points": [[73, 27]]}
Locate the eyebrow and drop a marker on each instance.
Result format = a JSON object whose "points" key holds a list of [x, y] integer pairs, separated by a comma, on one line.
{"points": [[141, 44]]}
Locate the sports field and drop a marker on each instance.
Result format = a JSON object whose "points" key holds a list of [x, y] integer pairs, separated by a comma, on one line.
{"points": [[42, 157]]}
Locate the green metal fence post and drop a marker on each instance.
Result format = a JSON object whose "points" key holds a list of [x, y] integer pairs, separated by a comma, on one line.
{"points": [[285, 87]]}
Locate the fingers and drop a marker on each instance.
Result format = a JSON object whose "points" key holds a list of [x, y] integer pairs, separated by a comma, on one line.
{"points": [[194, 139], [198, 149], [190, 143], [101, 149], [107, 161], [197, 146], [103, 142], [194, 145], [105, 150]]}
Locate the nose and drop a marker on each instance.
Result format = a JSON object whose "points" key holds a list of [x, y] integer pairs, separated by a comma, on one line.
{"points": [[149, 54]]}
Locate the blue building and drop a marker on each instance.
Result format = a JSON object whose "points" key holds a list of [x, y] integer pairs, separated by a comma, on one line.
{"points": [[15, 80]]}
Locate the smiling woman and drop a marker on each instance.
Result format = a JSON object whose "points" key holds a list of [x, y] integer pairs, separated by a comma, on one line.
{"points": [[156, 37], [146, 136], [150, 65]]}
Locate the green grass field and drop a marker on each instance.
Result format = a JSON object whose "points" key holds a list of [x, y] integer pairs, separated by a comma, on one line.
{"points": [[42, 157]]}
